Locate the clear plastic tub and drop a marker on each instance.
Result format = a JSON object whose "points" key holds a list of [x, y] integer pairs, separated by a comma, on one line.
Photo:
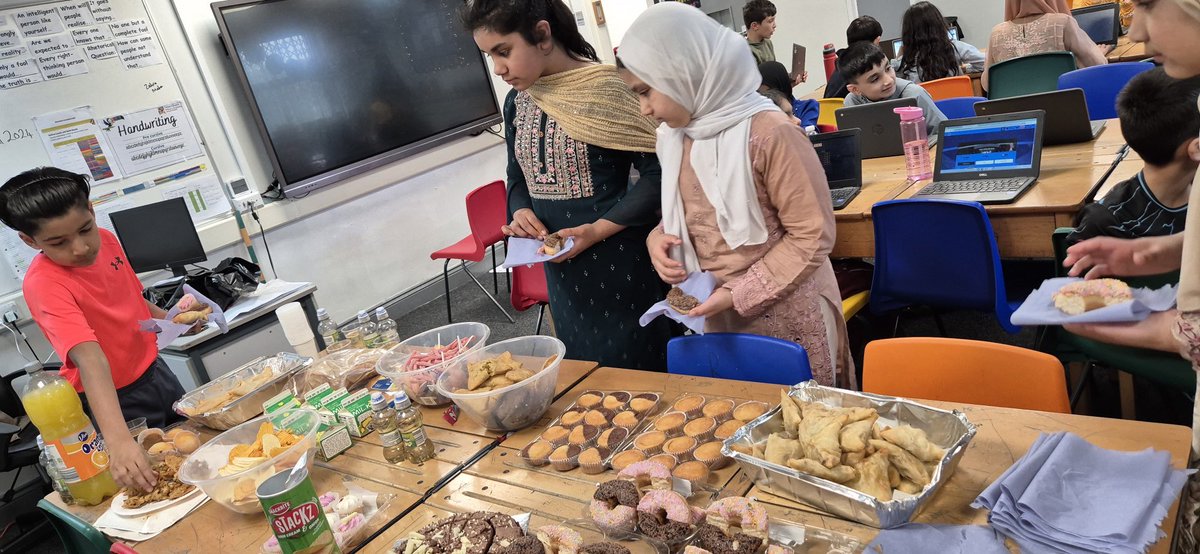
{"points": [[518, 405], [237, 491], [420, 384]]}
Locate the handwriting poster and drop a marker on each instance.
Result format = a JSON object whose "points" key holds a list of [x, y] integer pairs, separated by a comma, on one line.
{"points": [[153, 138]]}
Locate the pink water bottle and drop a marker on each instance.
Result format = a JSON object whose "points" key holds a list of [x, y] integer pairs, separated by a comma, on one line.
{"points": [[916, 143]]}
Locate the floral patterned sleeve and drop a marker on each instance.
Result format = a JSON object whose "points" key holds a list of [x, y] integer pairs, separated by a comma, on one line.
{"points": [[1187, 332], [787, 166]]}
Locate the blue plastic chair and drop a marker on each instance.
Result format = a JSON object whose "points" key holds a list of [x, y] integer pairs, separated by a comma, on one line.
{"points": [[739, 356], [1101, 84], [1028, 74], [938, 253], [958, 108]]}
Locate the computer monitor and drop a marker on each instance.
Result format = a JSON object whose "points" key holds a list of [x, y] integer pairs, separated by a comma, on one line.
{"points": [[1101, 22], [159, 236]]}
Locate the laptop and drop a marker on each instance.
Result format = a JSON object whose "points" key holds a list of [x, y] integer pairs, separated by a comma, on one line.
{"points": [[990, 159], [1067, 120], [894, 48], [1101, 22], [842, 161], [880, 126]]}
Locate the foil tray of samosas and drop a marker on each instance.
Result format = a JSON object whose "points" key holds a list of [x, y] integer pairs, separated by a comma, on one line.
{"points": [[237, 397], [869, 458]]}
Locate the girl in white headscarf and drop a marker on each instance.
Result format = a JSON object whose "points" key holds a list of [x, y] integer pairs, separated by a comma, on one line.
{"points": [[744, 196]]}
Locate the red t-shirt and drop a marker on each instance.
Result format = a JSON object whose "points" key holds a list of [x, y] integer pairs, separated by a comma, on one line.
{"points": [[101, 303]]}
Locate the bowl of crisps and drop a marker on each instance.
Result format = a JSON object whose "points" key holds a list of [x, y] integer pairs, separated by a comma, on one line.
{"points": [[230, 467], [507, 385]]}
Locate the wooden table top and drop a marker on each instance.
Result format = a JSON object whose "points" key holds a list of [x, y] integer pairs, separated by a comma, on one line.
{"points": [[1127, 51]]}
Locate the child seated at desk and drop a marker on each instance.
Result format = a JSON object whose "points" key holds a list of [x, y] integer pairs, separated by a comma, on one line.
{"points": [[1160, 123], [870, 78]]}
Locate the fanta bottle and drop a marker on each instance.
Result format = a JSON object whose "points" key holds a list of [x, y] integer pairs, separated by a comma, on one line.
{"points": [[72, 442]]}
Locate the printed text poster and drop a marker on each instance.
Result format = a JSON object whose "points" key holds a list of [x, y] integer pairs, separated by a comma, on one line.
{"points": [[74, 143]]}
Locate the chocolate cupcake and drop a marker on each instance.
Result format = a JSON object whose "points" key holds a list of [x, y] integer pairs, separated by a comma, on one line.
{"points": [[565, 457], [643, 403], [583, 435], [612, 438]]}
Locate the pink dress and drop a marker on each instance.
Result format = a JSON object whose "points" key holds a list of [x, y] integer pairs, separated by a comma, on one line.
{"points": [[784, 287]]}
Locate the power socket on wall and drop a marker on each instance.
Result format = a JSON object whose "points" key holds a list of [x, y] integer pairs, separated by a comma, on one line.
{"points": [[8, 311], [244, 202]]}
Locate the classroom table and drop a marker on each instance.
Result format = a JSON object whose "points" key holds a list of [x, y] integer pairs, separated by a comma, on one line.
{"points": [[474, 472], [500, 480], [1127, 51], [1070, 175]]}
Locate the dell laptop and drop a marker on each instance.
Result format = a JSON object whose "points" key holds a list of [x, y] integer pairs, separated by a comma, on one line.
{"points": [[990, 159], [880, 136], [1067, 120], [841, 159]]}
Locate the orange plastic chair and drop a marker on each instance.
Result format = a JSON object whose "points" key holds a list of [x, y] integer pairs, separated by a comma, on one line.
{"points": [[968, 371], [949, 87]]}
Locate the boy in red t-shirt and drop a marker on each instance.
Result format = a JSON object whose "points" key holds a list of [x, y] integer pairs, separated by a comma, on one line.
{"points": [[88, 301]]}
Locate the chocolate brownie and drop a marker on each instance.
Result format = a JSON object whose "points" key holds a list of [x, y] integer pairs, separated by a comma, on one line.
{"points": [[522, 545], [604, 548]]}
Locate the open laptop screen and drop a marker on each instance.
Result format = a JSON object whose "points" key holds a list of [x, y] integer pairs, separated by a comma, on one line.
{"points": [[989, 146], [1101, 22], [840, 157]]}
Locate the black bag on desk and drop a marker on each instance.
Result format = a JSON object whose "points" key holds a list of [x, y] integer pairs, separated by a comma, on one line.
{"points": [[223, 284]]}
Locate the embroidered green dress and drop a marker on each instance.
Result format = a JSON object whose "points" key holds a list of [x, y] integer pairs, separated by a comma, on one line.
{"points": [[596, 297]]}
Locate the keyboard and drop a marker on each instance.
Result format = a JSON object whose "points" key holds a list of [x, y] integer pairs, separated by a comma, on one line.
{"points": [[1012, 184], [843, 196]]}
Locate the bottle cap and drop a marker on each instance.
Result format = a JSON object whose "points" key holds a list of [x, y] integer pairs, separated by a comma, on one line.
{"points": [[828, 47], [321, 313], [909, 113], [378, 401], [402, 401], [362, 314], [381, 313]]}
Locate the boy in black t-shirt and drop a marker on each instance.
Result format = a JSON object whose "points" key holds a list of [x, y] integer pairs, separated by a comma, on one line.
{"points": [[1160, 123]]}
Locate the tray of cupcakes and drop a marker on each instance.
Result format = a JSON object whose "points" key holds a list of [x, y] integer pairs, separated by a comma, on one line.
{"points": [[596, 425], [485, 532], [687, 437]]}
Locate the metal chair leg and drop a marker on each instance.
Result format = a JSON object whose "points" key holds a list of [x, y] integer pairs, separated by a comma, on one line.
{"points": [[446, 282], [541, 314], [941, 326], [1083, 380], [495, 278], [489, 295]]}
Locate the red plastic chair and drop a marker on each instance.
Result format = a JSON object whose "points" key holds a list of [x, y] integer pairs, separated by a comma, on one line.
{"points": [[529, 289], [118, 548], [486, 214]]}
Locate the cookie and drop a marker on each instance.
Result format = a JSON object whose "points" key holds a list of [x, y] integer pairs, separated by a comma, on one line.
{"points": [[604, 548]]}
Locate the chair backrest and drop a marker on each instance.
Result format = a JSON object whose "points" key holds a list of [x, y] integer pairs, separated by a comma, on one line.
{"points": [[938, 253], [958, 108], [77, 536], [487, 212], [118, 548], [969, 371], [828, 107], [949, 87], [1101, 84], [739, 356], [528, 287], [1028, 74]]}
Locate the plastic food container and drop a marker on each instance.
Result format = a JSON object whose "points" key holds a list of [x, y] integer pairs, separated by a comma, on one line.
{"points": [[420, 385], [518, 405], [236, 491], [243, 402]]}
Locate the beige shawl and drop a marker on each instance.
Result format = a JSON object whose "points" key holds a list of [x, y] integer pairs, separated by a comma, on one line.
{"points": [[1189, 277], [595, 106]]}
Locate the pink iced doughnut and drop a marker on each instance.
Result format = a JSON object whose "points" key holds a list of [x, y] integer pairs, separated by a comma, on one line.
{"points": [[647, 474], [329, 500], [620, 518], [698, 515], [740, 512], [559, 540], [349, 529], [671, 502]]}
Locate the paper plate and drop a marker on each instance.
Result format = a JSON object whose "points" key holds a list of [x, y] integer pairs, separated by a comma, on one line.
{"points": [[118, 504]]}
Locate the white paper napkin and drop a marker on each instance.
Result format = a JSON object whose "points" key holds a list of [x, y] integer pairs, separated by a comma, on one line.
{"points": [[168, 330], [146, 527], [1038, 308], [521, 251], [701, 285]]}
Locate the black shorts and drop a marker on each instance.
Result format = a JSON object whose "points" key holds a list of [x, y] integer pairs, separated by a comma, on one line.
{"points": [[150, 396]]}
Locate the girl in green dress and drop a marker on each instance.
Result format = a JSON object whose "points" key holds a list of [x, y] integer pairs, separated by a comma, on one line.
{"points": [[574, 133]]}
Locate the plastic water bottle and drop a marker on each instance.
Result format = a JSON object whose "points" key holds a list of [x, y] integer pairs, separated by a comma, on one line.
{"points": [[383, 420], [56, 479], [830, 57], [327, 328], [916, 143], [370, 335], [386, 327]]}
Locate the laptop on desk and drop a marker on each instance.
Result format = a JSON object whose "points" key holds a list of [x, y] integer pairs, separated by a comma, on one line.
{"points": [[990, 159], [1101, 22], [1067, 120], [880, 136], [842, 161]]}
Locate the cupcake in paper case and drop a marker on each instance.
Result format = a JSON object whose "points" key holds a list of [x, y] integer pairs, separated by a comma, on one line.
{"points": [[565, 457], [644, 403], [720, 409], [710, 455], [591, 460], [692, 405], [537, 453]]}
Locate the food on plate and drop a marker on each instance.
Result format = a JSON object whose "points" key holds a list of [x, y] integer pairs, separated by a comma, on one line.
{"points": [[167, 487], [191, 310], [494, 373], [1084, 296], [552, 244], [849, 446], [150, 437]]}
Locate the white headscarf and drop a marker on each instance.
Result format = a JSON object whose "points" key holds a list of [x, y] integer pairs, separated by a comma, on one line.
{"points": [[709, 70]]}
